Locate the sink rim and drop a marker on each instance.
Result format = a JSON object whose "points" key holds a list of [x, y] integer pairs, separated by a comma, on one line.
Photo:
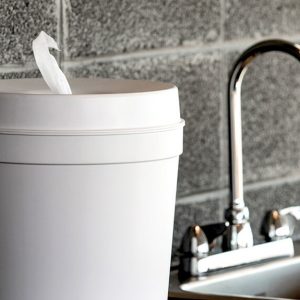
{"points": [[185, 288], [228, 275]]}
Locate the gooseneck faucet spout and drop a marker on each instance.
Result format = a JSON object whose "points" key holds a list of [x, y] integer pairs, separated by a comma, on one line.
{"points": [[239, 234], [199, 253]]}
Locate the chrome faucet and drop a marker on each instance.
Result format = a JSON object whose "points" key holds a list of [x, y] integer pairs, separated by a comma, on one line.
{"points": [[196, 249], [239, 233]]}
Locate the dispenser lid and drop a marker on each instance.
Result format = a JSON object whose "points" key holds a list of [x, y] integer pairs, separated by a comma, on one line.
{"points": [[96, 105]]}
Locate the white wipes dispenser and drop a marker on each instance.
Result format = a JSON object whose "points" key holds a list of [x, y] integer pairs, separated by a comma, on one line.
{"points": [[87, 189]]}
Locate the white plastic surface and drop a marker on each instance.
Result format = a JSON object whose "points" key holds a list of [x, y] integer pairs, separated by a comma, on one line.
{"points": [[96, 105], [87, 189], [86, 232], [91, 149]]}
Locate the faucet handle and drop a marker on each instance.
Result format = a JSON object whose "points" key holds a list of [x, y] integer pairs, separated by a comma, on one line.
{"points": [[194, 242], [195, 245], [279, 224], [197, 240]]}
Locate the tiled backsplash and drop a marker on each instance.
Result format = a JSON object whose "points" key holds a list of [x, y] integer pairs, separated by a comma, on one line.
{"points": [[192, 44]]}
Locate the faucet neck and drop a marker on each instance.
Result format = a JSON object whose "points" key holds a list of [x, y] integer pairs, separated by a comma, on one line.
{"points": [[237, 203]]}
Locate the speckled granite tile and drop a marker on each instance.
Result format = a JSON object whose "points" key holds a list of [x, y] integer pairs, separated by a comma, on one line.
{"points": [[104, 27], [186, 215], [291, 11], [21, 21], [198, 79], [270, 113], [23, 74], [261, 200], [259, 18]]}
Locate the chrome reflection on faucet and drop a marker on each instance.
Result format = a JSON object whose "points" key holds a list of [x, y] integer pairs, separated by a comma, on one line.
{"points": [[279, 224], [239, 234], [237, 244]]}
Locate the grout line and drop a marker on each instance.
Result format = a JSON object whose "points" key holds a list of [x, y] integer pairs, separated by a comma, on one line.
{"points": [[201, 48], [223, 146], [132, 55], [59, 30], [66, 6], [223, 135], [223, 114], [203, 197], [222, 20], [221, 98], [29, 66], [271, 182]]}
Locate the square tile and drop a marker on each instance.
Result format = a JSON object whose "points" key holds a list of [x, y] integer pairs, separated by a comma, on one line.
{"points": [[21, 22], [258, 18], [106, 27]]}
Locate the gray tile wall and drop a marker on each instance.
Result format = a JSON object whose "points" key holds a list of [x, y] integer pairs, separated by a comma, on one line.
{"points": [[192, 44]]}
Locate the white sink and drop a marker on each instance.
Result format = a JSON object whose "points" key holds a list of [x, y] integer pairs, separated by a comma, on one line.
{"points": [[277, 279]]}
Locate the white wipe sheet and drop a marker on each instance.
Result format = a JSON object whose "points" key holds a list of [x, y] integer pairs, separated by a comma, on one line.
{"points": [[46, 62]]}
